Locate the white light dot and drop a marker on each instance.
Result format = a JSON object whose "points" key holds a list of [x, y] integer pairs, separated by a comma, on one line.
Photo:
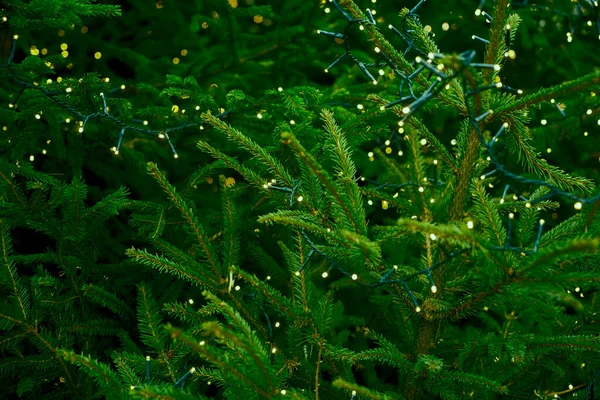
{"points": [[370, 154], [259, 116], [377, 50], [433, 289], [68, 90], [277, 324], [354, 277], [470, 224], [432, 236], [418, 309], [283, 391], [578, 205], [543, 122], [360, 106], [421, 189], [297, 273], [423, 142], [577, 289], [542, 222], [202, 343], [237, 287], [274, 350], [31, 158], [325, 274], [280, 89], [300, 198], [511, 216], [406, 110]]}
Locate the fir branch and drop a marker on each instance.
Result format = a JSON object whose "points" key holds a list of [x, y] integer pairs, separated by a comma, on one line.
{"points": [[260, 153], [493, 50], [187, 213], [100, 372], [194, 276], [574, 86], [232, 163], [287, 138], [221, 363], [11, 273], [346, 170]]}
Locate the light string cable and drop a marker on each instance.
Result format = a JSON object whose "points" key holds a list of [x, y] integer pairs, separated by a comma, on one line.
{"points": [[53, 95], [384, 280]]}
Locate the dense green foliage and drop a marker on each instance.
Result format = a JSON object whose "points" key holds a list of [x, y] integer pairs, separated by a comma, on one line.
{"points": [[191, 207]]}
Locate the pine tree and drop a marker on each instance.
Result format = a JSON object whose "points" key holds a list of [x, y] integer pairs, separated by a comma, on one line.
{"points": [[314, 201]]}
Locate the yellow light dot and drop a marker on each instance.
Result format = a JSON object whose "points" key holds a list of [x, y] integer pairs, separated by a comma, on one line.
{"points": [[204, 25], [512, 55], [354, 277], [65, 54], [258, 19], [175, 60], [388, 150], [427, 28], [445, 26], [34, 52], [175, 108], [384, 204], [61, 33], [44, 52], [64, 46], [233, 3], [324, 274], [230, 181], [5, 128], [578, 205], [84, 29], [184, 52], [97, 55]]}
